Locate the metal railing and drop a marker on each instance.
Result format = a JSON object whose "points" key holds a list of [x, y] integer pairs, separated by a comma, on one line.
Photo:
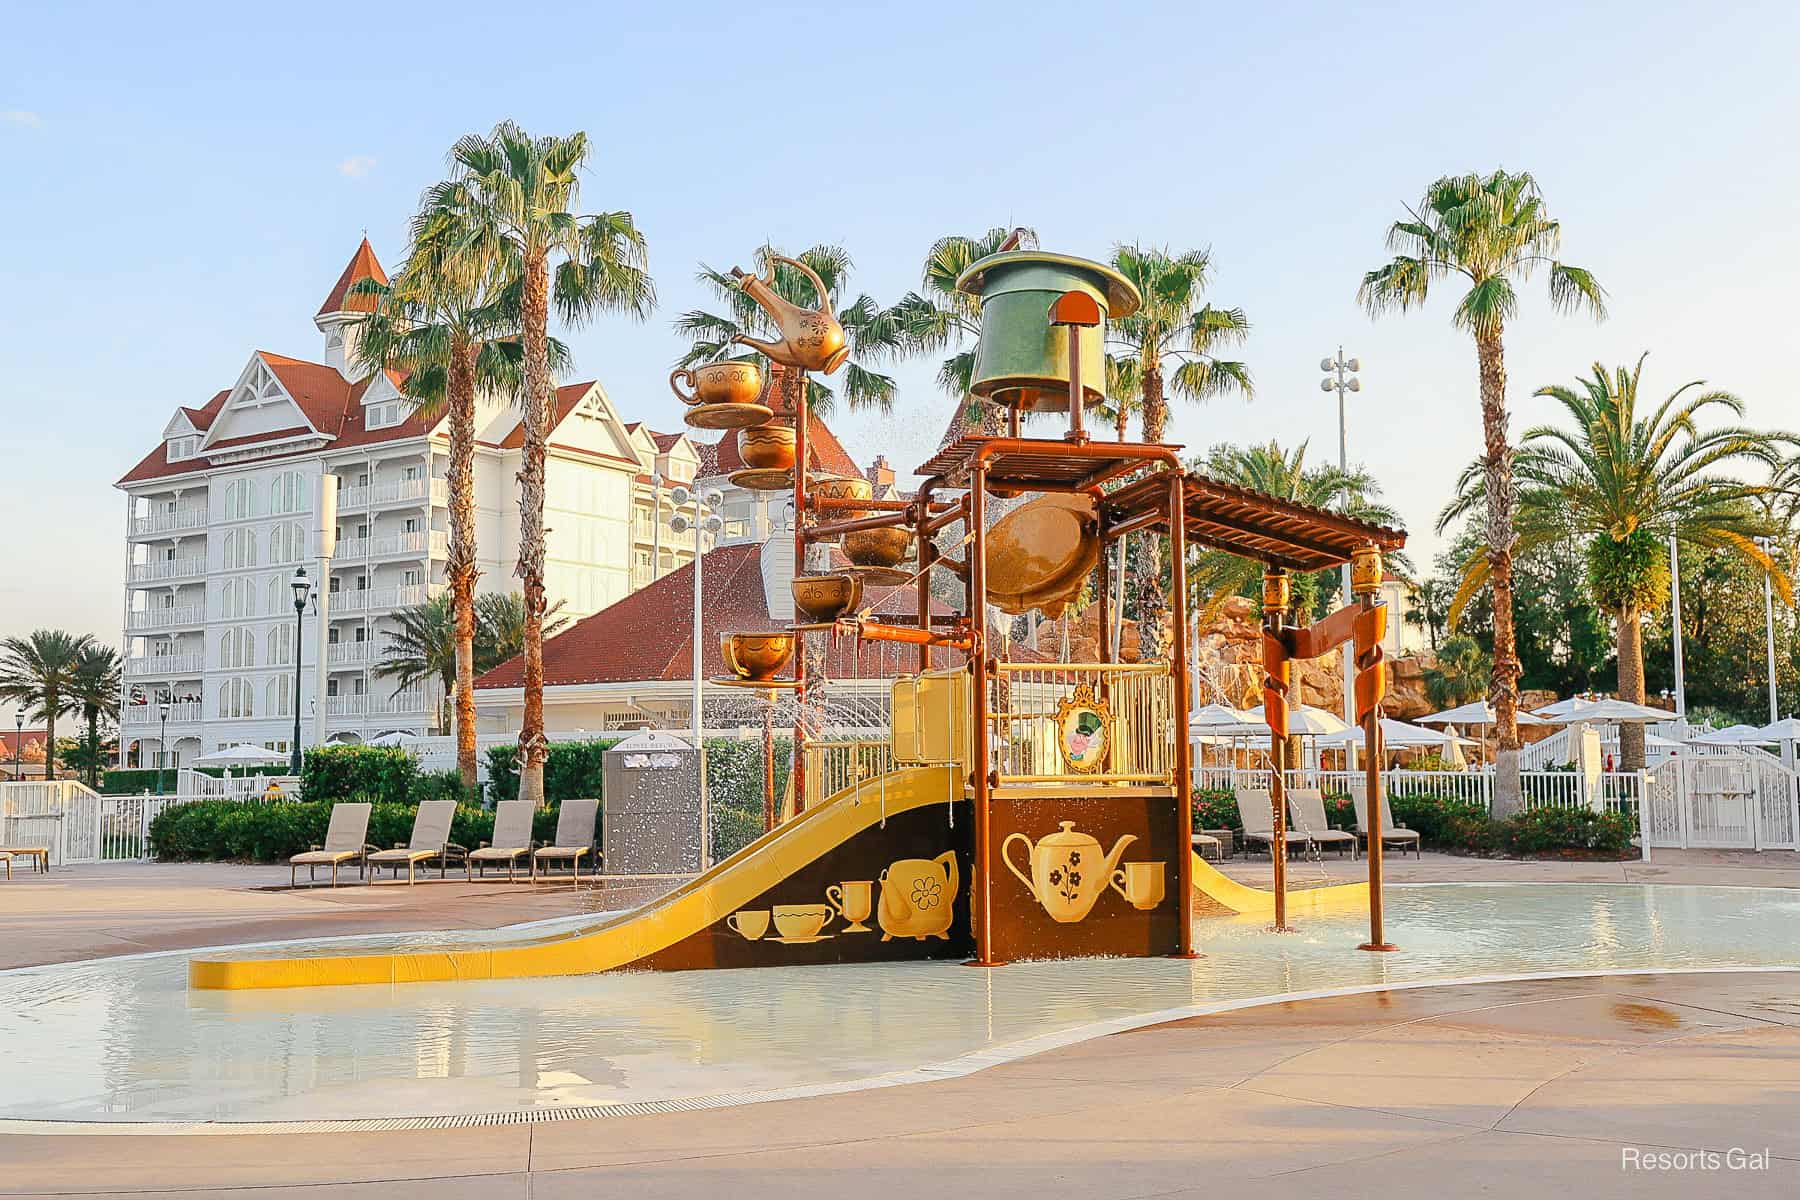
{"points": [[151, 714], [166, 664], [170, 522], [368, 599], [167, 568], [832, 766], [1618, 791], [352, 654], [1023, 715], [162, 618]]}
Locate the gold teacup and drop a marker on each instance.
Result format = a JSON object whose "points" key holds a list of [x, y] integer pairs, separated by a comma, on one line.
{"points": [[749, 923], [756, 655], [801, 920], [854, 902], [1141, 883], [735, 382]]}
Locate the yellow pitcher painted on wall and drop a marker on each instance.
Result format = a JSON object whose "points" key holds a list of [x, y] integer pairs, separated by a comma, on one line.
{"points": [[918, 897], [1068, 872]]}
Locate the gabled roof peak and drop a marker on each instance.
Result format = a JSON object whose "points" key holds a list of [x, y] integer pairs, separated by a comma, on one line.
{"points": [[362, 265]]}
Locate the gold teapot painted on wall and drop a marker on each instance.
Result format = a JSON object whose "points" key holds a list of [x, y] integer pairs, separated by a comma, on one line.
{"points": [[1068, 872], [811, 339], [918, 897]]}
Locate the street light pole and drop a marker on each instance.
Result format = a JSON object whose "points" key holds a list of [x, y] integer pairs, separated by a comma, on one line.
{"points": [[1340, 377], [705, 521], [1675, 631], [162, 741], [1769, 629], [302, 588], [656, 482], [19, 746]]}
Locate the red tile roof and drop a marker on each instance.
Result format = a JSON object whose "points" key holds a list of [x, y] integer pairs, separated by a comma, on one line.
{"points": [[362, 265], [647, 635], [823, 452], [567, 397]]}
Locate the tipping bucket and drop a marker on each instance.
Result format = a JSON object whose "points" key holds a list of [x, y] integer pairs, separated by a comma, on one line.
{"points": [[1022, 359]]}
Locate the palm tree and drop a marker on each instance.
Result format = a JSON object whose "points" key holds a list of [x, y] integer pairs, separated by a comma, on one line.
{"points": [[874, 333], [423, 647], [1172, 326], [1217, 574], [1459, 675], [937, 317], [37, 673], [1490, 230], [500, 627], [94, 693], [512, 202], [1619, 483], [451, 325]]}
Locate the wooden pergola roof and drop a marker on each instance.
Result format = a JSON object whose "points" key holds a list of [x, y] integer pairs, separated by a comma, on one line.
{"points": [[1280, 533], [1026, 464]]}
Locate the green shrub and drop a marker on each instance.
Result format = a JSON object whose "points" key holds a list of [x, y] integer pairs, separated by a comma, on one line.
{"points": [[572, 771], [212, 830], [442, 785], [1538, 830], [129, 781], [380, 773], [1216, 808], [1446, 823]]}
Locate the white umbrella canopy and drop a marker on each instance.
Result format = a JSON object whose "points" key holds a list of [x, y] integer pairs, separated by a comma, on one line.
{"points": [[1398, 735], [1476, 712], [1734, 735], [1306, 721], [397, 738], [1222, 721], [1785, 730], [1605, 712], [239, 755]]}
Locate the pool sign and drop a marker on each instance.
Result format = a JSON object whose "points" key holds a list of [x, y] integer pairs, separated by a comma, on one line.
{"points": [[1083, 730]]}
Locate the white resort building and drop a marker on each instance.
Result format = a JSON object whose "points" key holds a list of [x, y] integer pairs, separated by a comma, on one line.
{"points": [[226, 507]]}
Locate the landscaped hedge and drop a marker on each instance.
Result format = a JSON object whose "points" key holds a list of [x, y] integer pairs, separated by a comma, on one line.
{"points": [[1216, 808], [572, 771], [250, 832], [380, 773]]}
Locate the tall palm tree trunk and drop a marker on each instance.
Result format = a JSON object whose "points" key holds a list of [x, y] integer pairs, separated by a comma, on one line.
{"points": [[538, 402], [1149, 573], [93, 738], [1631, 684], [1497, 458], [1122, 423], [461, 568]]}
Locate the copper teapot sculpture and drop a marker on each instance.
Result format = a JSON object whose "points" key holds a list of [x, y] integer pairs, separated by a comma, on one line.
{"points": [[811, 339]]}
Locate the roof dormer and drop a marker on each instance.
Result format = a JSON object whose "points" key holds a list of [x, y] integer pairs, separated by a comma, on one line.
{"points": [[343, 311]]}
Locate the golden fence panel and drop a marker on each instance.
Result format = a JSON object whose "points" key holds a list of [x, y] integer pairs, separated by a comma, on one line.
{"points": [[1025, 701]]}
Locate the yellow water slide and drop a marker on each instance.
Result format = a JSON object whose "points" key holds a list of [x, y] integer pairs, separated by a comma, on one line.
{"points": [[693, 907]]}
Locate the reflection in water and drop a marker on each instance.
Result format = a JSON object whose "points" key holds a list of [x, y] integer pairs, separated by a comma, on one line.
{"points": [[125, 1040]]}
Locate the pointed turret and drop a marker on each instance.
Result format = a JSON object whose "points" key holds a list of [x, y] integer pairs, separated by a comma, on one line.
{"points": [[338, 316]]}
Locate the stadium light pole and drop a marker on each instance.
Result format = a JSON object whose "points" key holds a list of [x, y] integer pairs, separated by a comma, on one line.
{"points": [[1340, 377]]}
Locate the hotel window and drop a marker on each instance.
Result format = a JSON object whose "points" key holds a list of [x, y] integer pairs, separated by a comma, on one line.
{"points": [[287, 542], [182, 447], [287, 493], [240, 549], [281, 644], [240, 500], [237, 599], [280, 698], [237, 648], [237, 698]]}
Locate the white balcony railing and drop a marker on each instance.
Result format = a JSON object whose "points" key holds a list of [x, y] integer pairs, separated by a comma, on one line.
{"points": [[392, 544], [187, 711], [167, 568], [376, 599], [163, 618], [346, 706], [170, 522], [393, 491], [409, 702], [350, 549], [352, 654], [166, 664]]}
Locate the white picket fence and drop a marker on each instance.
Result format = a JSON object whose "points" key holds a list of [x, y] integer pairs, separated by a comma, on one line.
{"points": [[1619, 791], [78, 825]]}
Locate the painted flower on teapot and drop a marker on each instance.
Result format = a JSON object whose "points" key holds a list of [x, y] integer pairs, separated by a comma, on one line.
{"points": [[1068, 870]]}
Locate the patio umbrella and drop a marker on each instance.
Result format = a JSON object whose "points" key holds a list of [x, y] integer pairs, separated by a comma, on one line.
{"points": [[397, 738], [1398, 735], [1305, 721], [1221, 720], [1735, 735], [1563, 708], [242, 754], [1605, 712], [1476, 712], [1785, 730]]}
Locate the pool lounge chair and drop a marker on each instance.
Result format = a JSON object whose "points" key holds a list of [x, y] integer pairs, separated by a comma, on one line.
{"points": [[511, 841], [574, 837], [1306, 809], [346, 840], [1206, 846], [1391, 834], [430, 839], [39, 856], [1255, 811], [6, 857]]}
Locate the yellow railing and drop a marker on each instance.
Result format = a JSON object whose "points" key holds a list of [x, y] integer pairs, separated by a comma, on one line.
{"points": [[832, 766], [1024, 702]]}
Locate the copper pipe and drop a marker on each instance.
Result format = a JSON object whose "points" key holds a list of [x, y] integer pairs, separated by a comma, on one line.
{"points": [[851, 504], [978, 777], [927, 551], [955, 566], [1184, 753], [769, 763], [1277, 673], [1105, 639], [956, 512], [878, 631], [826, 531], [797, 772], [1133, 524]]}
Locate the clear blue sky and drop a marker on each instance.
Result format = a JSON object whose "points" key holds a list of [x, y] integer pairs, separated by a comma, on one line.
{"points": [[185, 182]]}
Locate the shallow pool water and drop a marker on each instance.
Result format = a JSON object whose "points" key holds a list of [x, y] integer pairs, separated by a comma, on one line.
{"points": [[124, 1040]]}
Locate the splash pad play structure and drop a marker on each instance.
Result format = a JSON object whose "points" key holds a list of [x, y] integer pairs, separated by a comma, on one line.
{"points": [[1033, 810]]}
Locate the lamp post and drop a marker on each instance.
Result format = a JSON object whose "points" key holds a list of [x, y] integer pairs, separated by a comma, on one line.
{"points": [[1675, 633], [704, 521], [1768, 547], [302, 588], [656, 482], [1340, 377], [19, 744], [162, 740]]}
